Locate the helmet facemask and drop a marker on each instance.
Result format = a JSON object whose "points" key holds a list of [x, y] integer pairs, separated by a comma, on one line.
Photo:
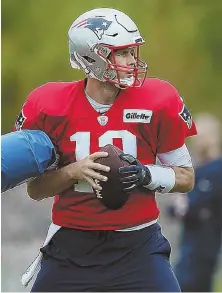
{"points": [[112, 72]]}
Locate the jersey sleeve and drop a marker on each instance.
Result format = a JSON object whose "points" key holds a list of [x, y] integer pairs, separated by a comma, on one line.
{"points": [[175, 124], [28, 117]]}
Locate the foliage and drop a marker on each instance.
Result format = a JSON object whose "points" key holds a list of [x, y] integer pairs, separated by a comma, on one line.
{"points": [[184, 45]]}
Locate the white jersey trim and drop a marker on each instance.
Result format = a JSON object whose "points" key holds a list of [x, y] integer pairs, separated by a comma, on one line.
{"points": [[179, 157], [139, 227]]}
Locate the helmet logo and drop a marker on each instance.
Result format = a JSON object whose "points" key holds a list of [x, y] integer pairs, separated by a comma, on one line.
{"points": [[98, 25]]}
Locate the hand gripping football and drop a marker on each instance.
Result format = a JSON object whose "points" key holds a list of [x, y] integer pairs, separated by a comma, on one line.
{"points": [[112, 194]]}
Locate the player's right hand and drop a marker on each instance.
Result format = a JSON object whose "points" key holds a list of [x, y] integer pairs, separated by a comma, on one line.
{"points": [[88, 170]]}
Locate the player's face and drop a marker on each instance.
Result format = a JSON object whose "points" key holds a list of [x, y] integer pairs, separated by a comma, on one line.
{"points": [[125, 57]]}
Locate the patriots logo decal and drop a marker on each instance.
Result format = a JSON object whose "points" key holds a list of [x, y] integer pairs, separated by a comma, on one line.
{"points": [[98, 25], [186, 116]]}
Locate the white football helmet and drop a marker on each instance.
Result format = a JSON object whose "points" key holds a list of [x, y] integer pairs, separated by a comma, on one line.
{"points": [[95, 35]]}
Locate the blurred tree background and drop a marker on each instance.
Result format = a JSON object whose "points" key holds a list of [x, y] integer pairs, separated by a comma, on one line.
{"points": [[183, 46]]}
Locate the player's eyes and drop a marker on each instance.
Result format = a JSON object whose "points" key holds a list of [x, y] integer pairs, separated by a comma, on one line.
{"points": [[125, 53]]}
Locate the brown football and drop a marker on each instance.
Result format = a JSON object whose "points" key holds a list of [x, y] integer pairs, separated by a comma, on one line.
{"points": [[112, 194]]}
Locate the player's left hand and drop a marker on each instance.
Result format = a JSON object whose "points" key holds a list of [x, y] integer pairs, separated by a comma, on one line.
{"points": [[135, 175]]}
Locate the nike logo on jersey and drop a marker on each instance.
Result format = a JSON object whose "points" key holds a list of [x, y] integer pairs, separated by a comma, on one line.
{"points": [[137, 115]]}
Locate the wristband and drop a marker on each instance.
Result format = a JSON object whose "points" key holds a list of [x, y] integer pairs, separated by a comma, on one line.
{"points": [[163, 178]]}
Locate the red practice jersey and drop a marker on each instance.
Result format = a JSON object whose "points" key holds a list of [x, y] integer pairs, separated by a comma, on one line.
{"points": [[142, 122]]}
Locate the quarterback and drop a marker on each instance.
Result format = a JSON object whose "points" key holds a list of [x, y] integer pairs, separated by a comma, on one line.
{"points": [[90, 247]]}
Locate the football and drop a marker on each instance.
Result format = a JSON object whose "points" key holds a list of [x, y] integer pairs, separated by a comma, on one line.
{"points": [[112, 194]]}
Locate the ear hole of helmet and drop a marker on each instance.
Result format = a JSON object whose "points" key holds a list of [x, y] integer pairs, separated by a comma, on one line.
{"points": [[102, 51]]}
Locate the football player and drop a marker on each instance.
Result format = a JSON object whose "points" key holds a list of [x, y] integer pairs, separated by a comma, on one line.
{"points": [[90, 247]]}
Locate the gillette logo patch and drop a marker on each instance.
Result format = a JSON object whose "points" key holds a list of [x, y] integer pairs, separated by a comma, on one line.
{"points": [[136, 115]]}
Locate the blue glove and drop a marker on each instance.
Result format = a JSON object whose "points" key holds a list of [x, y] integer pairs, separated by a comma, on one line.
{"points": [[133, 176]]}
